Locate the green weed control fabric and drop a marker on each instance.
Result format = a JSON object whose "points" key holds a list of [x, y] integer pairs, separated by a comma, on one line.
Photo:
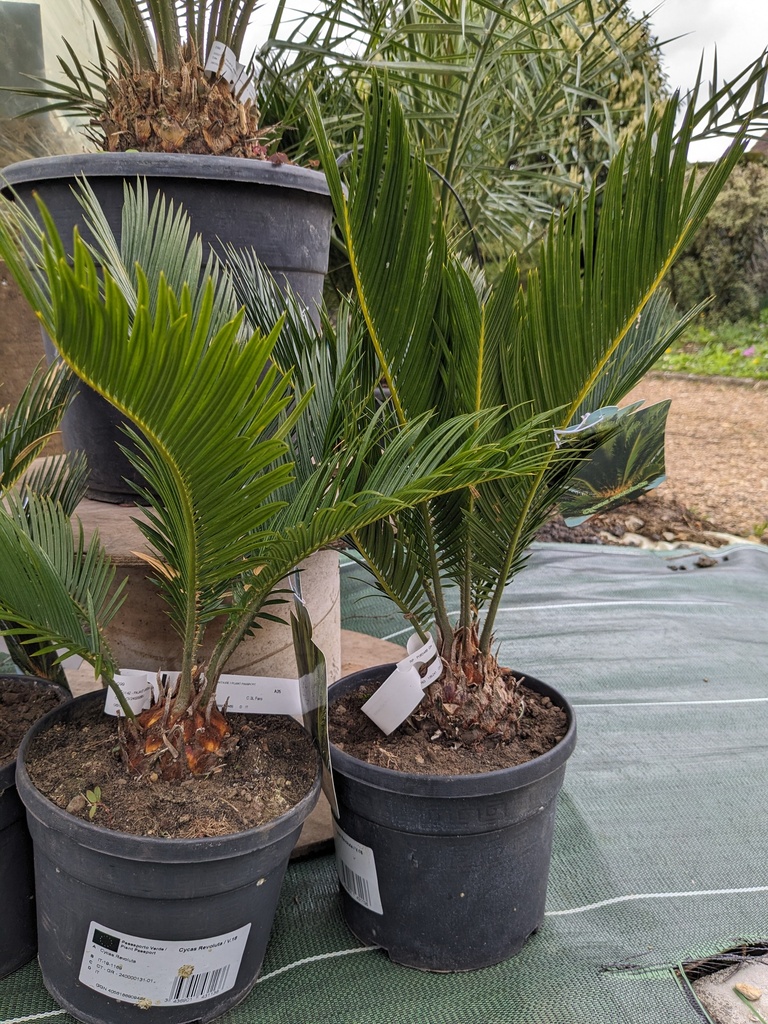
{"points": [[661, 846]]}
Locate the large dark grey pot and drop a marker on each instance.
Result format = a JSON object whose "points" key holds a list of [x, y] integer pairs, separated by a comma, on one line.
{"points": [[117, 898], [281, 211], [461, 862], [18, 932]]}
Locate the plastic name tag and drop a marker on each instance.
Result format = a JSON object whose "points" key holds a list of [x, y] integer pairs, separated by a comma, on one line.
{"points": [[243, 87], [403, 690], [259, 695]]}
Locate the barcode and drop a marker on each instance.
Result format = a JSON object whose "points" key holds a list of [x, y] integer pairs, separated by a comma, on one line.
{"points": [[355, 884], [199, 986]]}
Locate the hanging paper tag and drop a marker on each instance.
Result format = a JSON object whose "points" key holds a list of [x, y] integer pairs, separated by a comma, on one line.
{"points": [[259, 695], [356, 868], [243, 86], [403, 690], [222, 61], [138, 688]]}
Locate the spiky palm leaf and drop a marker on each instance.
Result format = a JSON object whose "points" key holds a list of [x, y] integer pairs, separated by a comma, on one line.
{"points": [[24, 432], [517, 105], [25, 429], [56, 598], [583, 330]]}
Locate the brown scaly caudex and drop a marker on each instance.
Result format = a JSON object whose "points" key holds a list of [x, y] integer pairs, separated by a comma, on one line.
{"points": [[180, 110]]}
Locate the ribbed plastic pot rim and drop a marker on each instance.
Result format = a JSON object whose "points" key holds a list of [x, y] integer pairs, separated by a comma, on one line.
{"points": [[180, 165], [124, 844], [501, 780]]}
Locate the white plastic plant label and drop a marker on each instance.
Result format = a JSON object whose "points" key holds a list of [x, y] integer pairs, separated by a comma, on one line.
{"points": [[356, 868], [138, 688], [154, 972], [403, 690], [259, 695], [395, 699]]}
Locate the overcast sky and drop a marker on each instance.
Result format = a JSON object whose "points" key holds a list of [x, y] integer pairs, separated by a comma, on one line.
{"points": [[738, 28]]}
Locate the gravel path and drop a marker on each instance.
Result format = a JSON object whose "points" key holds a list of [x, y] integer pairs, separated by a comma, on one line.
{"points": [[717, 440]]}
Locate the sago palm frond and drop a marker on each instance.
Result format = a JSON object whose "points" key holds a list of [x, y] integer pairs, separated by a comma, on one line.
{"points": [[25, 429], [56, 598], [581, 332]]}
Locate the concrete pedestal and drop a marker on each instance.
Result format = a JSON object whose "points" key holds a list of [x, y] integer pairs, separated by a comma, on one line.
{"points": [[142, 636]]}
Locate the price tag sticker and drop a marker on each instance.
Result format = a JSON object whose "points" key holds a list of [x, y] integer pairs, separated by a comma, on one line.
{"points": [[403, 690]]}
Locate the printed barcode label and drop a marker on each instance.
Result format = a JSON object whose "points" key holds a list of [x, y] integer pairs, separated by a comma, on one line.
{"points": [[155, 972], [356, 868], [199, 986], [355, 885]]}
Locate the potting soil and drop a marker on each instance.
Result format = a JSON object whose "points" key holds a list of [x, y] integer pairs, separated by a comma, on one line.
{"points": [[661, 846]]}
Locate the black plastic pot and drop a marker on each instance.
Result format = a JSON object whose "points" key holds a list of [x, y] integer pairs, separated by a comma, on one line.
{"points": [[461, 862], [18, 933], [109, 905], [281, 211]]}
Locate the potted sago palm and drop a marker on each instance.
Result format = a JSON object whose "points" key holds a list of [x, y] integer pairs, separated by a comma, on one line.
{"points": [[149, 900], [30, 684], [169, 101], [447, 766]]}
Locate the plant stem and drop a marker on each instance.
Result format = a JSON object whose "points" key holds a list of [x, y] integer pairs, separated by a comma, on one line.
{"points": [[441, 612]]}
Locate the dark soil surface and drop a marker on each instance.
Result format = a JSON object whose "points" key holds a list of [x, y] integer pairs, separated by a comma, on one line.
{"points": [[271, 769], [419, 746], [21, 704]]}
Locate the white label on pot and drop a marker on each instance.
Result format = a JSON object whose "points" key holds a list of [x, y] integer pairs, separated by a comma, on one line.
{"points": [[259, 695], [138, 688], [357, 870], [153, 972], [403, 690]]}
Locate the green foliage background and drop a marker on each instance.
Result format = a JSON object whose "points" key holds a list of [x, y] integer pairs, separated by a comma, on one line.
{"points": [[728, 259]]}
